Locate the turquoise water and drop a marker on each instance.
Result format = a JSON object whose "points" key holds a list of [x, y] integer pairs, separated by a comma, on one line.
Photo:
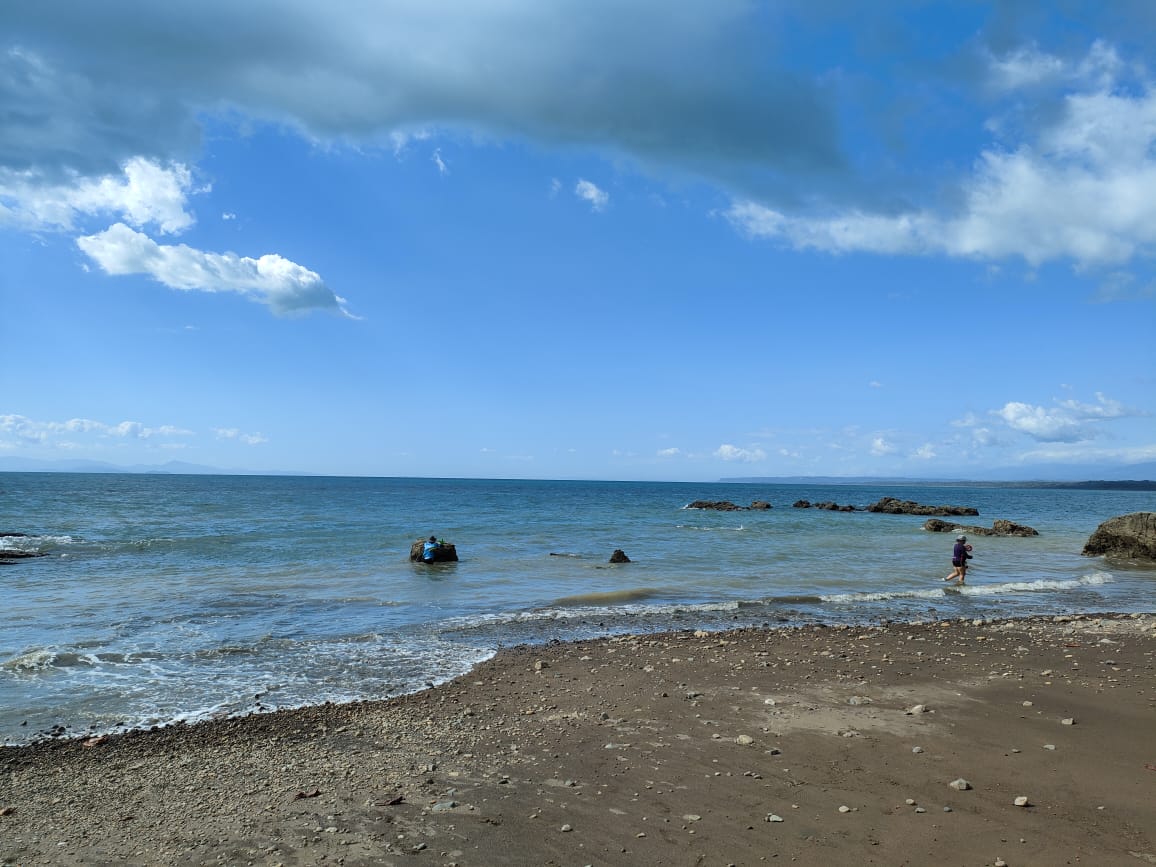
{"points": [[164, 598]]}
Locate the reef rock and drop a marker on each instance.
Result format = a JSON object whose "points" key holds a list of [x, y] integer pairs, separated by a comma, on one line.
{"points": [[1130, 536], [893, 506], [619, 556], [443, 553], [998, 528]]}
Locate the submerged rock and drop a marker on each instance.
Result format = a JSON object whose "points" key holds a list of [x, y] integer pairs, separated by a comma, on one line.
{"points": [[619, 556], [1130, 536], [998, 528]]}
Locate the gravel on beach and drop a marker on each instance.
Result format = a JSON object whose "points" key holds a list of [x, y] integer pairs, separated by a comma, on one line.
{"points": [[951, 742]]}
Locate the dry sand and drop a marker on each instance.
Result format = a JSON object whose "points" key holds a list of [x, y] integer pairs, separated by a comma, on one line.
{"points": [[746, 747]]}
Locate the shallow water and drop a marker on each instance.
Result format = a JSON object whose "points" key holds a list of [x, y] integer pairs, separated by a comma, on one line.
{"points": [[180, 597]]}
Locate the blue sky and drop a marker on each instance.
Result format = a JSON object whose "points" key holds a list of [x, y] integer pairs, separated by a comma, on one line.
{"points": [[580, 239]]}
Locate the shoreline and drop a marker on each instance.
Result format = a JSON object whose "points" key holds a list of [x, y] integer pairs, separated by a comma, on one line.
{"points": [[667, 748]]}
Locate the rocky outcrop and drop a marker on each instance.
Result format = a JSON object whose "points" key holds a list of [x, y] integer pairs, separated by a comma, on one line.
{"points": [[827, 505], [8, 555], [443, 553], [893, 506], [1131, 537], [619, 556], [761, 505], [998, 528]]}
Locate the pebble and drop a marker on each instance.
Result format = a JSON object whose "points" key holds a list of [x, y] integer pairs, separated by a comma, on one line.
{"points": [[1067, 722], [1021, 801], [920, 810], [744, 740], [566, 828], [916, 709], [692, 817], [960, 785], [999, 862], [844, 809], [917, 750], [771, 817], [1049, 746], [910, 802]]}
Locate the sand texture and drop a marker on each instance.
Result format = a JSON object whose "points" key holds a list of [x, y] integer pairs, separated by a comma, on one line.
{"points": [[894, 744]]}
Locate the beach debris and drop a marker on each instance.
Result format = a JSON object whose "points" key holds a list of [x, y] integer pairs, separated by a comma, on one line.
{"points": [[7, 811], [960, 785], [857, 700], [304, 794], [443, 806], [1021, 801], [540, 664]]}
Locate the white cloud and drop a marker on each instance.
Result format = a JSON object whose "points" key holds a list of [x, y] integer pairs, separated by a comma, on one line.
{"points": [[443, 169], [232, 433], [729, 452], [284, 286], [588, 191], [1025, 66], [669, 453], [881, 447], [144, 193], [1068, 421], [1083, 188], [925, 452], [30, 432]]}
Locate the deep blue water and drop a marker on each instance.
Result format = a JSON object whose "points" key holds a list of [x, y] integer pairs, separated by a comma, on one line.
{"points": [[170, 597]]}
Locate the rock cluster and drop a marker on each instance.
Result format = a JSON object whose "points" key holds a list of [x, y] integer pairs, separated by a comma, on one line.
{"points": [[893, 506], [1130, 536], [998, 528], [827, 505]]}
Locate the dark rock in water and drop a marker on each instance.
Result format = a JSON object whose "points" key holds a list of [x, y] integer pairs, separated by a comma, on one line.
{"points": [[619, 556], [802, 504], [893, 506], [717, 505], [20, 555], [443, 553], [760, 504], [998, 528], [1130, 536]]}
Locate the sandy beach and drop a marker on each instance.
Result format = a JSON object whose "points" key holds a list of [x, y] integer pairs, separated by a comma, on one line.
{"points": [[954, 742]]}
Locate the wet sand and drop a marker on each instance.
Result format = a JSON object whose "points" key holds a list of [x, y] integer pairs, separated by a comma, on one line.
{"points": [[813, 746]]}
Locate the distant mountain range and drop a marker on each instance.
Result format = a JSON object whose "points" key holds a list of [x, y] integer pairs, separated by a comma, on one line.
{"points": [[1124, 477]]}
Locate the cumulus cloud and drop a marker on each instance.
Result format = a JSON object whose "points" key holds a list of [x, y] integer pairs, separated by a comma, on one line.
{"points": [[284, 286], [1082, 187], [1069, 421], [881, 447], [588, 191], [28, 431], [143, 193], [669, 453], [729, 452]]}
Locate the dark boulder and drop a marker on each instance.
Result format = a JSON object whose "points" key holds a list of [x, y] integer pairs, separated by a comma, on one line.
{"points": [[1130, 537], [998, 528], [716, 505], [760, 504], [619, 556], [893, 506], [802, 504], [443, 553]]}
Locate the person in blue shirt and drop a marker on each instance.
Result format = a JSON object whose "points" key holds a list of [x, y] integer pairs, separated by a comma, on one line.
{"points": [[960, 554], [429, 549]]}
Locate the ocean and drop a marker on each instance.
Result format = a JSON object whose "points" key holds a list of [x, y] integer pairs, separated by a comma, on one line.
{"points": [[166, 598]]}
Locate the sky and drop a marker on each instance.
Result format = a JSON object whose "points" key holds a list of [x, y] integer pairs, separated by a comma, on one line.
{"points": [[580, 239]]}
